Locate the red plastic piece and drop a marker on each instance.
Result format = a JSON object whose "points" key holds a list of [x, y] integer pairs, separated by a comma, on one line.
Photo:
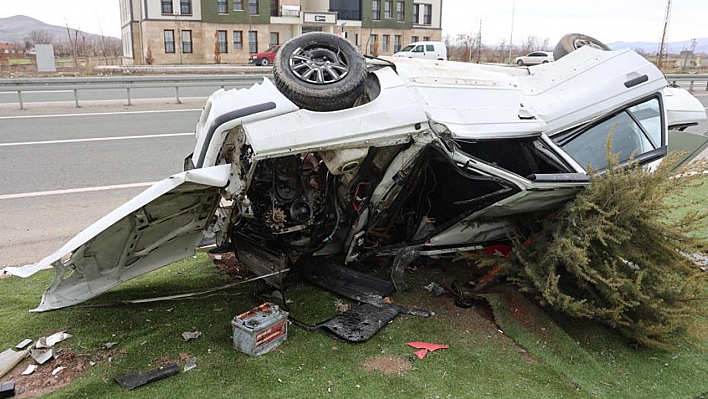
{"points": [[427, 345], [421, 353]]}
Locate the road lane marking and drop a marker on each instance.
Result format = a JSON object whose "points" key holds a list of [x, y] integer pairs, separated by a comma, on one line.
{"points": [[74, 190], [109, 100], [101, 113], [149, 136]]}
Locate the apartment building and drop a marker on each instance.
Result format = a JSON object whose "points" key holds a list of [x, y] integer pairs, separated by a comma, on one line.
{"points": [[229, 31]]}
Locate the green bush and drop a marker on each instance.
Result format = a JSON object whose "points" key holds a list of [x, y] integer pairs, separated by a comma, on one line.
{"points": [[618, 254]]}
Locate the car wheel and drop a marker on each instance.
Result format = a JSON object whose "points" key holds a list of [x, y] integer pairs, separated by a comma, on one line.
{"points": [[320, 72], [263, 61], [545, 62], [573, 41], [520, 62]]}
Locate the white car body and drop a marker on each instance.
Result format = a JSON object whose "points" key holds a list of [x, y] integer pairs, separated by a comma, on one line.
{"points": [[427, 118]]}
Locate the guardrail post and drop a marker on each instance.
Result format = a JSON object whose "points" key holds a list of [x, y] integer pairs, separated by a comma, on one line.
{"points": [[690, 86], [76, 98], [19, 95], [177, 95], [127, 89]]}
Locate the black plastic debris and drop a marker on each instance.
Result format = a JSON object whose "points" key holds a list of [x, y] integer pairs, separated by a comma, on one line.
{"points": [[361, 323], [134, 380], [7, 389]]}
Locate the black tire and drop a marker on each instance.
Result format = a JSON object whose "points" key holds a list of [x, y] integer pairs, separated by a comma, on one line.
{"points": [[573, 41], [320, 72], [263, 61], [520, 62]]}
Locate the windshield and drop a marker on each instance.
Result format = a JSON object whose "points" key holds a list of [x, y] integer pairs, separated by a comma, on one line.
{"points": [[407, 48]]}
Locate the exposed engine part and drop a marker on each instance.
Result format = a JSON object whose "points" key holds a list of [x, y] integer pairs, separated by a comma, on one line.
{"points": [[301, 212], [275, 218]]}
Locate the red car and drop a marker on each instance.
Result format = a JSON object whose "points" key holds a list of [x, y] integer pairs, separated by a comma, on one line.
{"points": [[265, 58]]}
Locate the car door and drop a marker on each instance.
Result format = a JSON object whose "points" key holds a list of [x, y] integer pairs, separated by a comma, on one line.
{"points": [[638, 132], [162, 225]]}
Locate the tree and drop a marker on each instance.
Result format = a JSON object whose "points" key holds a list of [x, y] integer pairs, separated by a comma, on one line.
{"points": [[618, 254], [38, 37]]}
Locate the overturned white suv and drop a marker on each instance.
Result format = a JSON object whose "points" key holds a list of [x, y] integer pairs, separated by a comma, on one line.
{"points": [[345, 158]]}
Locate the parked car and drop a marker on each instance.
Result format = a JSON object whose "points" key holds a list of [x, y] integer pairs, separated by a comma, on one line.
{"points": [[341, 159], [265, 58], [425, 50], [535, 58]]}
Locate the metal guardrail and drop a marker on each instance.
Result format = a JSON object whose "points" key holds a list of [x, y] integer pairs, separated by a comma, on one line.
{"points": [[691, 78], [97, 83], [27, 85]]}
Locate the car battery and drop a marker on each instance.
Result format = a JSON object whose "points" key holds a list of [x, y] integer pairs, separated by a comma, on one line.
{"points": [[260, 329]]}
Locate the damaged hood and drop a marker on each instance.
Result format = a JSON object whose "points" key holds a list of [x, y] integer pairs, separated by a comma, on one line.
{"points": [[162, 225]]}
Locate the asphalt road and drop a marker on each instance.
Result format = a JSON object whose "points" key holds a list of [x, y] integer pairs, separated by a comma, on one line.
{"points": [[60, 173]]}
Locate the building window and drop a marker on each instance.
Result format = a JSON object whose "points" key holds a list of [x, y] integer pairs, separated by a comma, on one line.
{"points": [[185, 7], [400, 11], [427, 14], [376, 9], [169, 41], [426, 39], [356, 40], [388, 5], [238, 5], [385, 43], [186, 41], [372, 43], [414, 39], [416, 13], [252, 41], [253, 7], [238, 40], [222, 7], [396, 43], [223, 48], [274, 8], [167, 7], [274, 38]]}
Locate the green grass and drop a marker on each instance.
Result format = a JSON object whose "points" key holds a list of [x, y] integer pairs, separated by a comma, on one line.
{"points": [[538, 355]]}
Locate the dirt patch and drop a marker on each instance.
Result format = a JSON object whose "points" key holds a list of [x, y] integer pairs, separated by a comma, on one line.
{"points": [[387, 365], [42, 381], [227, 263]]}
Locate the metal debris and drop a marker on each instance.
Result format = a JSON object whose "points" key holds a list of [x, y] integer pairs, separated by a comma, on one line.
{"points": [[42, 356], [189, 335], [23, 344], [30, 369], [9, 359], [7, 389], [191, 364], [435, 288], [50, 341], [109, 345], [58, 370]]}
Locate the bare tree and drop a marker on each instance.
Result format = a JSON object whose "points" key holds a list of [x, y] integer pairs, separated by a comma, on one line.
{"points": [[38, 37], [501, 51]]}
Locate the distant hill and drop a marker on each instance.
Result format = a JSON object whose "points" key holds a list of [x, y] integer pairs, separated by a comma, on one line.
{"points": [[16, 29], [653, 47]]}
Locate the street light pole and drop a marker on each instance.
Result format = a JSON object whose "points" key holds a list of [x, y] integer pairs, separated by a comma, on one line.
{"points": [[511, 35]]}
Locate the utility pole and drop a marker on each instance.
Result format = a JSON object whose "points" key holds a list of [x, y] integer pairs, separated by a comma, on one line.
{"points": [[663, 46], [511, 35]]}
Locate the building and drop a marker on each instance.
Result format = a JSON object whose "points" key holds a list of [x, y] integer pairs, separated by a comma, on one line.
{"points": [[228, 31], [9, 50]]}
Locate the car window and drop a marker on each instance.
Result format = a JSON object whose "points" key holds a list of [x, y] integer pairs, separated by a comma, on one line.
{"points": [[408, 48], [635, 131], [536, 55], [429, 47], [418, 49], [648, 115]]}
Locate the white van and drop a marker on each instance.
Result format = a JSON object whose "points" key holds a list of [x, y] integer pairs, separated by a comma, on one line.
{"points": [[427, 50]]}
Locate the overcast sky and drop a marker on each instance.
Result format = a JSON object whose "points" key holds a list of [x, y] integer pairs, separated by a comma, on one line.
{"points": [[606, 20]]}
